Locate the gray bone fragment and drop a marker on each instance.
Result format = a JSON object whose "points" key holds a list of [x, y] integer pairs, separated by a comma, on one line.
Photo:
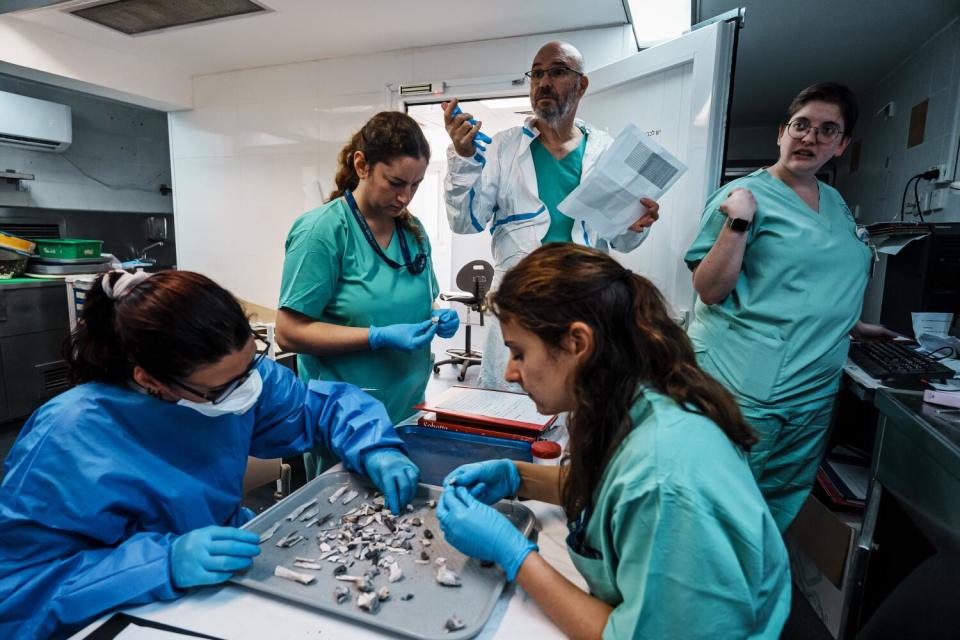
{"points": [[266, 535], [454, 623], [296, 512]]}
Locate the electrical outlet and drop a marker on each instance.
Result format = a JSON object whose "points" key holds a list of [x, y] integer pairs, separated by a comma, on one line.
{"points": [[935, 200], [942, 168]]}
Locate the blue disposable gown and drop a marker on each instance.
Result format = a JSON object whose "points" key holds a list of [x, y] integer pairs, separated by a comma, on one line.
{"points": [[103, 478]]}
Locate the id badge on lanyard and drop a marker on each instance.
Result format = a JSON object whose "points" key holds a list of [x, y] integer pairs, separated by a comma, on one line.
{"points": [[863, 235]]}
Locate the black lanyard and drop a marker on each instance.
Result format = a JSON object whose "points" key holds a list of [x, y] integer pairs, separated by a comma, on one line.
{"points": [[415, 267]]}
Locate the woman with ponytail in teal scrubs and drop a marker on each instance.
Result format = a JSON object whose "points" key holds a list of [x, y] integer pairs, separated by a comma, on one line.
{"points": [[358, 289]]}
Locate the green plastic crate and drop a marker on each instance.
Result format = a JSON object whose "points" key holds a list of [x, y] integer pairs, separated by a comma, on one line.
{"points": [[68, 248]]}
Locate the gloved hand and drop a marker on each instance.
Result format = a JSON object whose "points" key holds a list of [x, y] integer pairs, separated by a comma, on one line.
{"points": [[211, 555], [405, 337], [246, 515], [482, 532], [394, 474], [480, 137], [448, 324], [489, 481]]}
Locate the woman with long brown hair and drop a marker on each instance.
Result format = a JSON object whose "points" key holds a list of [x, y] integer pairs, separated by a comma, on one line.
{"points": [[667, 525], [357, 276]]}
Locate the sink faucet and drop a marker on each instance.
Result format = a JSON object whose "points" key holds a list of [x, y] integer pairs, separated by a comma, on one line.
{"points": [[143, 252]]}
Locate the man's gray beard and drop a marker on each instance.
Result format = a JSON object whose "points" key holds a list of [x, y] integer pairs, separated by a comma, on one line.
{"points": [[553, 117]]}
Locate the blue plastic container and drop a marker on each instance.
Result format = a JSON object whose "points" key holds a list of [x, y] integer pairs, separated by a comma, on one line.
{"points": [[438, 452]]}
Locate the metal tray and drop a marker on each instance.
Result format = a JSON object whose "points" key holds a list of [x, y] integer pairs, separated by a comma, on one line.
{"points": [[39, 269], [422, 617], [54, 261]]}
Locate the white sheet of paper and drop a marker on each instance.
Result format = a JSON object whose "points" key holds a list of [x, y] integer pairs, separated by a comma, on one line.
{"points": [[893, 244], [935, 324], [493, 404], [635, 166], [136, 632], [944, 346]]}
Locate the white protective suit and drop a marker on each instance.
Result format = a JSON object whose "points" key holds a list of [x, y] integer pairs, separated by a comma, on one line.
{"points": [[498, 190]]}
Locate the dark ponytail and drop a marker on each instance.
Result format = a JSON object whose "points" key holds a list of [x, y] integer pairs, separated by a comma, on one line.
{"points": [[169, 324], [635, 342], [385, 136]]}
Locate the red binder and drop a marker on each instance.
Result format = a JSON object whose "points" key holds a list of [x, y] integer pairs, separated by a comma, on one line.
{"points": [[430, 421]]}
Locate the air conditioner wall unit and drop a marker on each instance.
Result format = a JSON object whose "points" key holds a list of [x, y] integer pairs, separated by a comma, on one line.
{"points": [[36, 125]]}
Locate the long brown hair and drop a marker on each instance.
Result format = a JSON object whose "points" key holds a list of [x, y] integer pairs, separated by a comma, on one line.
{"points": [[635, 342], [385, 136], [169, 324]]}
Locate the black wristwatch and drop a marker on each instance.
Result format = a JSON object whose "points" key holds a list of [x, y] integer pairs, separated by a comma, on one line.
{"points": [[738, 224]]}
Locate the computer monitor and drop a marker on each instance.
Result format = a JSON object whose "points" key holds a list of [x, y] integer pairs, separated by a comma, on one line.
{"points": [[924, 276]]}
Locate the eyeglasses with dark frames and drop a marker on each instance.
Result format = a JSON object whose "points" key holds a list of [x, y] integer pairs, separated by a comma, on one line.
{"points": [[555, 73], [221, 393], [827, 132]]}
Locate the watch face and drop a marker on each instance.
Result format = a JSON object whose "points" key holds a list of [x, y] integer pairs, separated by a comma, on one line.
{"points": [[739, 224]]}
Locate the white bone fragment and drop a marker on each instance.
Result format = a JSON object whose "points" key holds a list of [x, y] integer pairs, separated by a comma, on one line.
{"points": [[287, 574], [336, 494]]}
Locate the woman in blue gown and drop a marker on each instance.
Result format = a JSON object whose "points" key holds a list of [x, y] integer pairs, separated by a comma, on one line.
{"points": [[126, 489]]}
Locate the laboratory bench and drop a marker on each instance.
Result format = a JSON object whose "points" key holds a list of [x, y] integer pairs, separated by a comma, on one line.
{"points": [[848, 562]]}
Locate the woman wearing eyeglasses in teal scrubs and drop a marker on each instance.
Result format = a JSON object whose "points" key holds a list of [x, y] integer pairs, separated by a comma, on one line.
{"points": [[356, 300], [781, 268]]}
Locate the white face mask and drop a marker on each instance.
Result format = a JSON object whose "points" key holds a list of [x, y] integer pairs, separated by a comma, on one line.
{"points": [[239, 401]]}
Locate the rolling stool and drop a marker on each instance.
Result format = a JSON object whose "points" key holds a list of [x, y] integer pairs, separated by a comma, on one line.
{"points": [[474, 280]]}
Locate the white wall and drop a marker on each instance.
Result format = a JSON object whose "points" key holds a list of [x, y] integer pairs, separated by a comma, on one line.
{"points": [[30, 51], [259, 148], [932, 72]]}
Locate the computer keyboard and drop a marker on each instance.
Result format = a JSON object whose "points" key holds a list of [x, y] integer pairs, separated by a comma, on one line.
{"points": [[892, 360]]}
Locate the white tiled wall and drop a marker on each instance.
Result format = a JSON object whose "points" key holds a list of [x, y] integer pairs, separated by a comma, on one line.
{"points": [[932, 72], [117, 161], [260, 146]]}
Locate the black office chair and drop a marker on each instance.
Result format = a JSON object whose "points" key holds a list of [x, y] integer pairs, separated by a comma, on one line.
{"points": [[474, 280]]}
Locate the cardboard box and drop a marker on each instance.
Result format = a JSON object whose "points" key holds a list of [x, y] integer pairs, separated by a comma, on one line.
{"points": [[824, 537], [820, 543]]}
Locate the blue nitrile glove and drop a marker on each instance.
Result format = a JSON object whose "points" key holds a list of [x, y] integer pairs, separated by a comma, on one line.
{"points": [[489, 481], [481, 137], [211, 555], [394, 474], [448, 324], [482, 532], [247, 514], [405, 337]]}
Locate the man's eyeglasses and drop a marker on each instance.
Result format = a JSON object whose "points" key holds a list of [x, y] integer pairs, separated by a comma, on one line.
{"points": [[828, 132], [555, 73], [221, 393]]}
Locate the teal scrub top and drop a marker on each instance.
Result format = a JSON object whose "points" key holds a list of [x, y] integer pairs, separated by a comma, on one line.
{"points": [[680, 542], [782, 334], [333, 275], [555, 180]]}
